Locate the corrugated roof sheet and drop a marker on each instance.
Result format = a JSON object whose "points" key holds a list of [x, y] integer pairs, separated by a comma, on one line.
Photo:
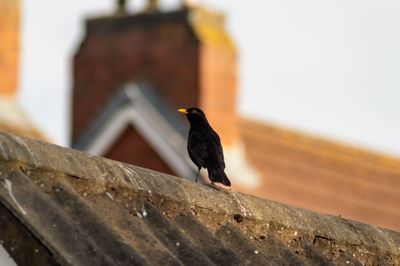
{"points": [[60, 206]]}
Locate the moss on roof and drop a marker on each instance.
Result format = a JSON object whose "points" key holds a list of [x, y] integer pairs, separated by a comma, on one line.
{"points": [[209, 27]]}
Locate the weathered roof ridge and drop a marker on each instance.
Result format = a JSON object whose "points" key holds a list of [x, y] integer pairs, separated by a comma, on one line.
{"points": [[254, 214]]}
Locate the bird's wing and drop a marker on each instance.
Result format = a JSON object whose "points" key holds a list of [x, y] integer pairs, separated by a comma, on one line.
{"points": [[215, 149], [205, 148], [197, 149]]}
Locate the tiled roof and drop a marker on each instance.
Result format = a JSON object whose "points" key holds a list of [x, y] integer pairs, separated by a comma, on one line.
{"points": [[13, 119], [28, 131], [136, 105], [61, 206], [323, 175]]}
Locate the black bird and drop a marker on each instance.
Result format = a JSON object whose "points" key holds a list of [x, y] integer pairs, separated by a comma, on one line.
{"points": [[204, 146]]}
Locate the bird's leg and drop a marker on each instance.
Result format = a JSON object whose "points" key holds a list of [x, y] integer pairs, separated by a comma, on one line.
{"points": [[198, 173], [213, 185]]}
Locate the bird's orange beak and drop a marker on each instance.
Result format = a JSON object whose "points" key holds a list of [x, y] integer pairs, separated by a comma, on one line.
{"points": [[183, 111]]}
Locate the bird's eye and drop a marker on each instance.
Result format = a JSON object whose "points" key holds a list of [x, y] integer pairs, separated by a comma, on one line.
{"points": [[194, 112]]}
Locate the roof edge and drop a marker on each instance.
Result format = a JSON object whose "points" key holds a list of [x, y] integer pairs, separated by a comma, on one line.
{"points": [[340, 148], [18, 152]]}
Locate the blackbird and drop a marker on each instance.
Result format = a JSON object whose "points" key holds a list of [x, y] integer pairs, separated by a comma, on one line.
{"points": [[204, 146]]}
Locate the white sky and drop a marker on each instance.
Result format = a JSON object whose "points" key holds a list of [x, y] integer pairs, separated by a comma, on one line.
{"points": [[5, 259], [327, 67]]}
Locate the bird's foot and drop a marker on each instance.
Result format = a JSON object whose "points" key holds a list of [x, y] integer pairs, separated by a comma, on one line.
{"points": [[198, 173], [213, 185]]}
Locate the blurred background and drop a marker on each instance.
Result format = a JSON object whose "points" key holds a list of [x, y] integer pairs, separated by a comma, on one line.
{"points": [[330, 68], [303, 93]]}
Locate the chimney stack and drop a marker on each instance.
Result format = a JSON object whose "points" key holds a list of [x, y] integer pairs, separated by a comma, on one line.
{"points": [[187, 55], [9, 47], [121, 8]]}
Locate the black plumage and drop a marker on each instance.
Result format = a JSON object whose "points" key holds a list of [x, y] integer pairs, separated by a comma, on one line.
{"points": [[204, 146]]}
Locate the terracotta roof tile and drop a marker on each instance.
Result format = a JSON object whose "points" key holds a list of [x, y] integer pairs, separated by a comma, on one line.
{"points": [[322, 175], [13, 119]]}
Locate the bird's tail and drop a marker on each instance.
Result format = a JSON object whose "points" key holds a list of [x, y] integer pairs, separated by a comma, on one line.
{"points": [[217, 174]]}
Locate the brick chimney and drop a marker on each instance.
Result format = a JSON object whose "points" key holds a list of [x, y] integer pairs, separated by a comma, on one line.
{"points": [[9, 47], [187, 55]]}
